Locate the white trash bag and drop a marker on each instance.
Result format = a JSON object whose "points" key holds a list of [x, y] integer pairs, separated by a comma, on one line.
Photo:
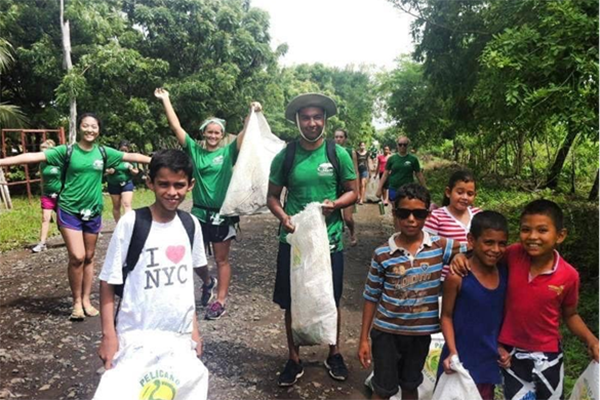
{"points": [[425, 389], [314, 314], [457, 386], [247, 191], [587, 385], [155, 365], [371, 191]]}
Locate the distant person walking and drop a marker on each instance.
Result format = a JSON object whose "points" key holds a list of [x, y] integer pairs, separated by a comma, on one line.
{"points": [[51, 185], [400, 169], [80, 204], [362, 156], [120, 183], [382, 160], [341, 137]]}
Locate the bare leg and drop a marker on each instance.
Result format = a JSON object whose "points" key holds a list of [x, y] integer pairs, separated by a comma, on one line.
{"points": [[349, 220], [46, 216], [363, 189], [386, 200], [294, 351], [90, 240], [223, 269], [116, 209], [76, 249], [126, 201], [203, 274]]}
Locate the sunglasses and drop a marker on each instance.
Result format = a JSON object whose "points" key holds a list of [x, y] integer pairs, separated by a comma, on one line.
{"points": [[404, 213], [402, 144]]}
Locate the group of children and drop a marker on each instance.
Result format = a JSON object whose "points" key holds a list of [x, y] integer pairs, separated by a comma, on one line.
{"points": [[501, 303]]}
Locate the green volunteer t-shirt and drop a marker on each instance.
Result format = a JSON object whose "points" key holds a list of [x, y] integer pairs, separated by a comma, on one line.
{"points": [[212, 172], [401, 169], [51, 179], [349, 149], [122, 174], [313, 178], [82, 192]]}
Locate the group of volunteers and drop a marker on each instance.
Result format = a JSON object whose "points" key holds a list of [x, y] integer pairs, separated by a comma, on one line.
{"points": [[501, 303]]}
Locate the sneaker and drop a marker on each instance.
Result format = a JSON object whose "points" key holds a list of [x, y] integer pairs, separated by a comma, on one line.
{"points": [[292, 371], [215, 311], [208, 292], [39, 247], [337, 367]]}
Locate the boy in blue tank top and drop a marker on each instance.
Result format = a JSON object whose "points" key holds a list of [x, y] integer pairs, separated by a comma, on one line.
{"points": [[473, 306]]}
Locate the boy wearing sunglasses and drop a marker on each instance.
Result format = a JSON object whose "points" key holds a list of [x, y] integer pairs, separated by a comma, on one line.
{"points": [[401, 294]]}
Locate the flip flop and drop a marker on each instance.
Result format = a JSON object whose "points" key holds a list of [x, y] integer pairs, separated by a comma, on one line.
{"points": [[91, 311], [77, 314]]}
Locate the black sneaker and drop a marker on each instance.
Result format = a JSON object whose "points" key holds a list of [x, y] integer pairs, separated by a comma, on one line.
{"points": [[337, 367], [208, 292], [291, 373]]}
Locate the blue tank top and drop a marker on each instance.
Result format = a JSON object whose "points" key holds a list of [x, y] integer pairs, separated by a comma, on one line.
{"points": [[477, 318]]}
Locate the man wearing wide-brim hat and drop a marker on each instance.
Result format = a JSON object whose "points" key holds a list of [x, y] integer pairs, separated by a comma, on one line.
{"points": [[311, 177]]}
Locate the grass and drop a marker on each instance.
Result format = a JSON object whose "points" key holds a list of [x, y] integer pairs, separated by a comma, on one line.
{"points": [[21, 225]]}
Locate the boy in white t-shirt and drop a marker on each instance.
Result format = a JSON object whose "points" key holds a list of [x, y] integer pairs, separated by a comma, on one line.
{"points": [[151, 347]]}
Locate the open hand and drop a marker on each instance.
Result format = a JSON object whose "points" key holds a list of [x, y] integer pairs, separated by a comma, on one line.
{"points": [[460, 265]]}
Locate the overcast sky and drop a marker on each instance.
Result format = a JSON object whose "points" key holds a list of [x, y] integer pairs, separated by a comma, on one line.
{"points": [[338, 32]]}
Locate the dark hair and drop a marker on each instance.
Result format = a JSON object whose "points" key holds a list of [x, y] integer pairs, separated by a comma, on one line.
{"points": [[92, 115], [413, 191], [343, 131], [488, 220], [463, 175], [173, 159], [548, 208], [125, 143]]}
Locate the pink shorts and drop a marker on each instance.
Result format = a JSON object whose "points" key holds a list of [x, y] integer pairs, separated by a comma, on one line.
{"points": [[49, 203]]}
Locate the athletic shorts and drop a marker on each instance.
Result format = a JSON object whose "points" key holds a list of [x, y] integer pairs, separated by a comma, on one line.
{"points": [[392, 194], [216, 233], [536, 375], [397, 361], [123, 187], [49, 203], [76, 223], [282, 293]]}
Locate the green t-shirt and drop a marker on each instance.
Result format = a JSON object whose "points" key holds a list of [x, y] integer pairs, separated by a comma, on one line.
{"points": [[401, 169], [82, 192], [349, 149], [212, 172], [313, 178], [51, 179], [122, 174]]}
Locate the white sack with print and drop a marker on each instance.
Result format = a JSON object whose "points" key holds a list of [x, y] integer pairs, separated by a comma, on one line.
{"points": [[457, 386], [314, 315], [587, 385], [154, 365], [247, 192]]}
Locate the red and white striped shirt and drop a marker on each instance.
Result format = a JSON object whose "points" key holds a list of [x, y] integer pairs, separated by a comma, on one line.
{"points": [[440, 222]]}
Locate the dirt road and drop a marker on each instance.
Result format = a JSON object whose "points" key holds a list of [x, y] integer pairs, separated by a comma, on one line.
{"points": [[44, 356]]}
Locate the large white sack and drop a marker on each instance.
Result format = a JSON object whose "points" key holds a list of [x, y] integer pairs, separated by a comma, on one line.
{"points": [[587, 385], [247, 192], [457, 386], [371, 192], [425, 389], [314, 315], [155, 365]]}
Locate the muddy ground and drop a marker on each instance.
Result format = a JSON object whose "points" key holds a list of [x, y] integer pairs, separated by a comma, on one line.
{"points": [[44, 356]]}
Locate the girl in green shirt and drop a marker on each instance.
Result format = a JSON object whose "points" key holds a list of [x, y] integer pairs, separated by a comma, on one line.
{"points": [[80, 203], [120, 183], [51, 184], [213, 168]]}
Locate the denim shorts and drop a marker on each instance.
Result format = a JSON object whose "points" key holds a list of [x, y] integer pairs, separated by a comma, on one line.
{"points": [[76, 223]]}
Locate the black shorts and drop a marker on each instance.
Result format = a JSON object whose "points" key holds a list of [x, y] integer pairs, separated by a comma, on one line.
{"points": [[386, 185], [397, 361], [282, 295]]}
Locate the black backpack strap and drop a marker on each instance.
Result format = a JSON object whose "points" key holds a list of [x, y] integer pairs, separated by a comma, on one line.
{"points": [[189, 225], [335, 163], [288, 161], [65, 166]]}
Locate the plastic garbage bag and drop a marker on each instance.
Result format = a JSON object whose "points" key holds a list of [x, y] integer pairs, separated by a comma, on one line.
{"points": [[587, 385], [457, 386], [154, 365], [429, 370], [371, 191], [247, 191], [314, 314]]}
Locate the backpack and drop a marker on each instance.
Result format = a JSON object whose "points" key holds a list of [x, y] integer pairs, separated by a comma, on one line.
{"points": [[68, 161], [290, 154], [141, 230]]}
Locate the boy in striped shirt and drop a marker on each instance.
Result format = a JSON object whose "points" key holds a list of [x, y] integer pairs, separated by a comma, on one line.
{"points": [[401, 294]]}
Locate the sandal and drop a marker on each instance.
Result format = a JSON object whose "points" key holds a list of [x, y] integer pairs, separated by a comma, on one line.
{"points": [[77, 314], [353, 241], [91, 311]]}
